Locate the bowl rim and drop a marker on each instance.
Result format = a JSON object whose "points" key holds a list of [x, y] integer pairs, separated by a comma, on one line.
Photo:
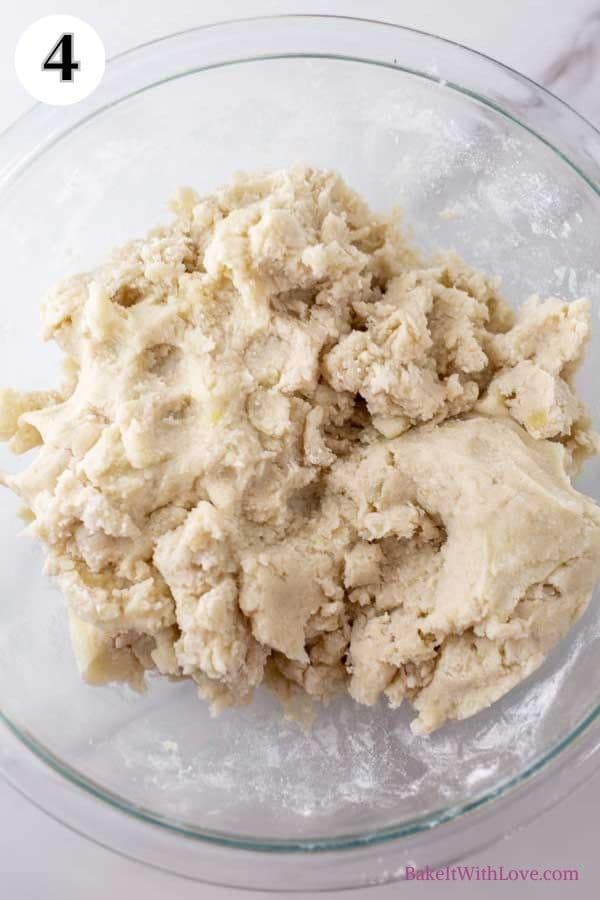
{"points": [[239, 20], [430, 820]]}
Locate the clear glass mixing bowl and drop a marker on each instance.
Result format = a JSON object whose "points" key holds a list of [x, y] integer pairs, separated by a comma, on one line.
{"points": [[480, 159]]}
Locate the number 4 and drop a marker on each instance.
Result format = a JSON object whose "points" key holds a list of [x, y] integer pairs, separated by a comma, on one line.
{"points": [[63, 51]]}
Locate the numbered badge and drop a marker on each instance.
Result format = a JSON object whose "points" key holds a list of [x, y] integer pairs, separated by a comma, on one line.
{"points": [[60, 60]]}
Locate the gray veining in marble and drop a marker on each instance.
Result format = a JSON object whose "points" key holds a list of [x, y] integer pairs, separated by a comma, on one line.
{"points": [[575, 73]]}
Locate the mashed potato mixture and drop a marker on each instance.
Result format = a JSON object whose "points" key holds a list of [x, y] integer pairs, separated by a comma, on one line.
{"points": [[287, 450]]}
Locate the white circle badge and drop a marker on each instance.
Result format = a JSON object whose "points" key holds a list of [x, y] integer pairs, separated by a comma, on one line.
{"points": [[60, 60]]}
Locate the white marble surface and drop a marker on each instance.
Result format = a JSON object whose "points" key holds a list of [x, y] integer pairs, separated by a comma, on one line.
{"points": [[557, 43]]}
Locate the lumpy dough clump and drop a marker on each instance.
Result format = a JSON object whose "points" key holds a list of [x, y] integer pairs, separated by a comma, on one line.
{"points": [[287, 450]]}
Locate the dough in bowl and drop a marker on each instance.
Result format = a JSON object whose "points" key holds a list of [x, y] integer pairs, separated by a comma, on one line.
{"points": [[287, 450]]}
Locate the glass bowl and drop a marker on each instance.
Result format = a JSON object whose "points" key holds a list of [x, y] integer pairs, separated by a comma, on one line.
{"points": [[481, 160]]}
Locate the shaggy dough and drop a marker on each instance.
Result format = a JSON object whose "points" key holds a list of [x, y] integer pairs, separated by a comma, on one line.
{"points": [[286, 450]]}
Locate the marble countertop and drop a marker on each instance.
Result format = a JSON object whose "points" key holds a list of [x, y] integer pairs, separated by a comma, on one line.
{"points": [[555, 43]]}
